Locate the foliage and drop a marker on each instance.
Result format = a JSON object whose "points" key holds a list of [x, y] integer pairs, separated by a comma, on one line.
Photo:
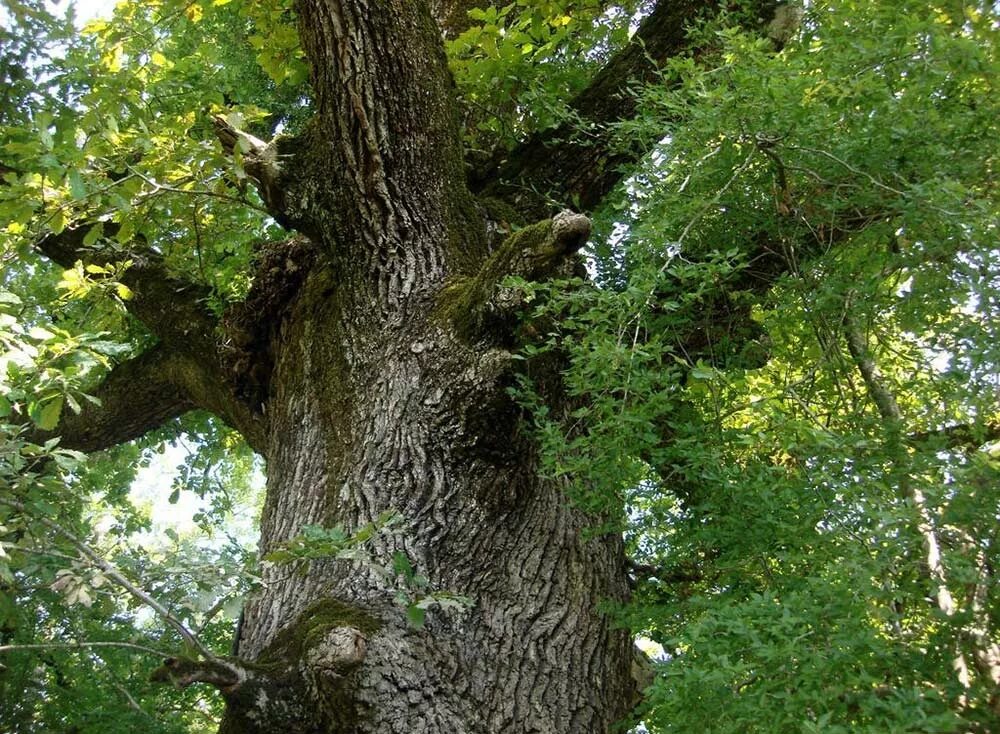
{"points": [[132, 151], [789, 204], [52, 594], [844, 185], [519, 64], [138, 149]]}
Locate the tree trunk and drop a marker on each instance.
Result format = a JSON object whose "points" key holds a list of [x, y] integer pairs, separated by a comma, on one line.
{"points": [[376, 402], [370, 365]]}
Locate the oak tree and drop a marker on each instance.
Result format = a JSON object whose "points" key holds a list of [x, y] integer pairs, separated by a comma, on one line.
{"points": [[350, 232]]}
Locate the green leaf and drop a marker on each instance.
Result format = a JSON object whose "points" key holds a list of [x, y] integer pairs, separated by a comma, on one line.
{"points": [[93, 235], [416, 616], [703, 373], [46, 415], [76, 185], [401, 565], [9, 299]]}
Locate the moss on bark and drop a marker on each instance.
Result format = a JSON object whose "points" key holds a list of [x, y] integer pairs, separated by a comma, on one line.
{"points": [[291, 643]]}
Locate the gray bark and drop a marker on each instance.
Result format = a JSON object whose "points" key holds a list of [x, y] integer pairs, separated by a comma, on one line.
{"points": [[377, 403]]}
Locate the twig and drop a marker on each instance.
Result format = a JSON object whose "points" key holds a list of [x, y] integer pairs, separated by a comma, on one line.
{"points": [[133, 704], [158, 187], [83, 646], [115, 575]]}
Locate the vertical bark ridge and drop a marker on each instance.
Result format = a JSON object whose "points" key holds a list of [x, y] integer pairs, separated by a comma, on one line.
{"points": [[393, 175], [378, 406]]}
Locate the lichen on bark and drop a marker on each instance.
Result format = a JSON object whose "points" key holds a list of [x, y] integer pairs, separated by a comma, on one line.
{"points": [[291, 644]]}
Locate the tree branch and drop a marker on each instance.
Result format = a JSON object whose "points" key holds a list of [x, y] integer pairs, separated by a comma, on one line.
{"points": [[562, 165], [685, 574], [81, 646], [961, 436], [112, 572], [477, 304], [262, 162], [182, 672], [170, 307], [888, 409], [138, 396], [185, 371]]}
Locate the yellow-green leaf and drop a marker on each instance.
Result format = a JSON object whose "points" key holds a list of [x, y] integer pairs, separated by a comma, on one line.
{"points": [[46, 415], [93, 235]]}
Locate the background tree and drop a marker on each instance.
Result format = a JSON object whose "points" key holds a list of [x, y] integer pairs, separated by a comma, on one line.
{"points": [[766, 415]]}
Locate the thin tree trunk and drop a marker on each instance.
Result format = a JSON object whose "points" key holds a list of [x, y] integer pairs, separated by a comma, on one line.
{"points": [[891, 414]]}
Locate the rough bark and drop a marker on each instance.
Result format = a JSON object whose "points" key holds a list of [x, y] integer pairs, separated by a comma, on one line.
{"points": [[379, 403], [143, 381]]}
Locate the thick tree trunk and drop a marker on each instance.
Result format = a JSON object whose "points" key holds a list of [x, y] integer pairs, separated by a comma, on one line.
{"points": [[372, 417], [377, 403]]}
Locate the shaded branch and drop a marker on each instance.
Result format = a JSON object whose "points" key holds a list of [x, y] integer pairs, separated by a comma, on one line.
{"points": [[182, 672], [961, 436], [883, 398], [687, 574], [138, 396], [170, 307], [300, 692], [185, 371], [561, 164]]}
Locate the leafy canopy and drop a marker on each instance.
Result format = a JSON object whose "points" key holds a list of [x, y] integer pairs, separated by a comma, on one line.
{"points": [[784, 368]]}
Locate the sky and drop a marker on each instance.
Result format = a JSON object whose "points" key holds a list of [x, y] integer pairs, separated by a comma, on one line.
{"points": [[89, 9]]}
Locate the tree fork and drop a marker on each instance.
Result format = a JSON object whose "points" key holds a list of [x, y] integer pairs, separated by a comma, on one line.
{"points": [[182, 372]]}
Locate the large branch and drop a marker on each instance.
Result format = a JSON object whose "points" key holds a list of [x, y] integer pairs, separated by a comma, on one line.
{"points": [[184, 372], [138, 396], [170, 307], [576, 168]]}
